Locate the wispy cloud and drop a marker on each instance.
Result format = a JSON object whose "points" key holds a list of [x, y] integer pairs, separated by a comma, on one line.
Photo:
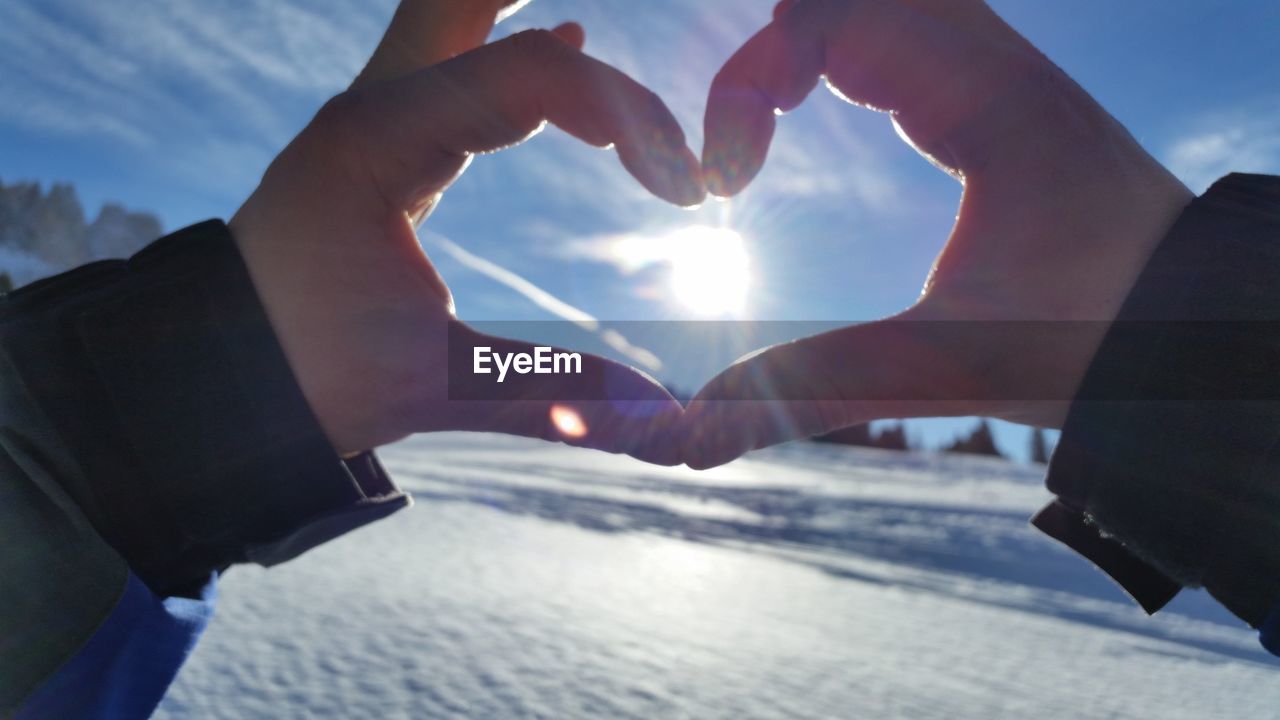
{"points": [[132, 71], [1245, 140], [533, 293], [548, 302], [247, 73], [200, 94]]}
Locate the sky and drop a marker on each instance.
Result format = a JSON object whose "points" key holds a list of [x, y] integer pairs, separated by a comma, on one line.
{"points": [[177, 106]]}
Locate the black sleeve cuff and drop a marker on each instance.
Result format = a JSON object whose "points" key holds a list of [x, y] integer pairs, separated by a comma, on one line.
{"points": [[196, 447], [1179, 485], [1148, 587]]}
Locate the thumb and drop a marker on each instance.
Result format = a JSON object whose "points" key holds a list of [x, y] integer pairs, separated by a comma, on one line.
{"points": [[902, 367]]}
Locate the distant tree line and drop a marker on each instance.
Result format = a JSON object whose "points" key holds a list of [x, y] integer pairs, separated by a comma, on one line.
{"points": [[887, 437], [978, 441]]}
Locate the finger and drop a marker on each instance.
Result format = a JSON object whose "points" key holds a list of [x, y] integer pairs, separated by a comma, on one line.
{"points": [[571, 33], [425, 32], [599, 404], [772, 73], [782, 7], [500, 94], [938, 67], [889, 369]]}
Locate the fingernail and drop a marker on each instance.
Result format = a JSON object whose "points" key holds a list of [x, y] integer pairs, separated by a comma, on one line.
{"points": [[683, 175], [692, 189], [715, 182], [782, 7], [717, 172]]}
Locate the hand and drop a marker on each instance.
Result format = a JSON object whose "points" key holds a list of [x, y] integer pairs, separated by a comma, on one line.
{"points": [[358, 308], [1061, 209]]}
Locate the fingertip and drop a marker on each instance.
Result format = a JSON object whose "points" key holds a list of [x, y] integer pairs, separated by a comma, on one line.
{"points": [[673, 175], [739, 128], [693, 187], [782, 7], [679, 179], [723, 179], [647, 431], [716, 183], [698, 465], [571, 33], [713, 435], [704, 458], [662, 444]]}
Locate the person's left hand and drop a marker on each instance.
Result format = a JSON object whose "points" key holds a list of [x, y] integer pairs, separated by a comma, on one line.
{"points": [[1060, 211], [329, 239]]}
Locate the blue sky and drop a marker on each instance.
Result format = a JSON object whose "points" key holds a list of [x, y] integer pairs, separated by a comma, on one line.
{"points": [[176, 106]]}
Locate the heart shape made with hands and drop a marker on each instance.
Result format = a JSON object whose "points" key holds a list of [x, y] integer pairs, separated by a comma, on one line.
{"points": [[1049, 178]]}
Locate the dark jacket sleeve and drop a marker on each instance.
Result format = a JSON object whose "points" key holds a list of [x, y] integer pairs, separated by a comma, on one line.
{"points": [[1168, 470], [149, 423]]}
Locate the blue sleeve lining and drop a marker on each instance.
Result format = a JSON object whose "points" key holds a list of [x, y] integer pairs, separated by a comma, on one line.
{"points": [[128, 664]]}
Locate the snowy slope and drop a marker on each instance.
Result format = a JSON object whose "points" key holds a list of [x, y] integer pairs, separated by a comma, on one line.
{"points": [[534, 580]]}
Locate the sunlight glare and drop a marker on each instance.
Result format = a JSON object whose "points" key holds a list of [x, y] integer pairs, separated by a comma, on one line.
{"points": [[710, 270]]}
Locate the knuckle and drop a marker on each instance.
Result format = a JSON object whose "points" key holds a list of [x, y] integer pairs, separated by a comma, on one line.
{"points": [[651, 107], [652, 104], [325, 144], [340, 117], [344, 142]]}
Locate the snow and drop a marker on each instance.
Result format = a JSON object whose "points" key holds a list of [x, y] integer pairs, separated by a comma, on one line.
{"points": [[536, 580]]}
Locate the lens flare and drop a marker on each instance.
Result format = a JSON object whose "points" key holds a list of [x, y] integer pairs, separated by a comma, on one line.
{"points": [[568, 422]]}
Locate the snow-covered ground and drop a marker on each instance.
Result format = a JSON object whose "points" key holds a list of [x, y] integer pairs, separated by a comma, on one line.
{"points": [[535, 580]]}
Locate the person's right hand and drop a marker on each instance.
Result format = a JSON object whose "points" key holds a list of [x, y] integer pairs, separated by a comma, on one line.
{"points": [[1061, 209], [328, 236]]}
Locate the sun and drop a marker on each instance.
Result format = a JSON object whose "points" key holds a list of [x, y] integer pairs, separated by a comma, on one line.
{"points": [[710, 270]]}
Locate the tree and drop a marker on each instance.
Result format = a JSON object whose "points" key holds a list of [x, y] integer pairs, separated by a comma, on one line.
{"points": [[893, 437], [6, 284], [979, 442], [1039, 448]]}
